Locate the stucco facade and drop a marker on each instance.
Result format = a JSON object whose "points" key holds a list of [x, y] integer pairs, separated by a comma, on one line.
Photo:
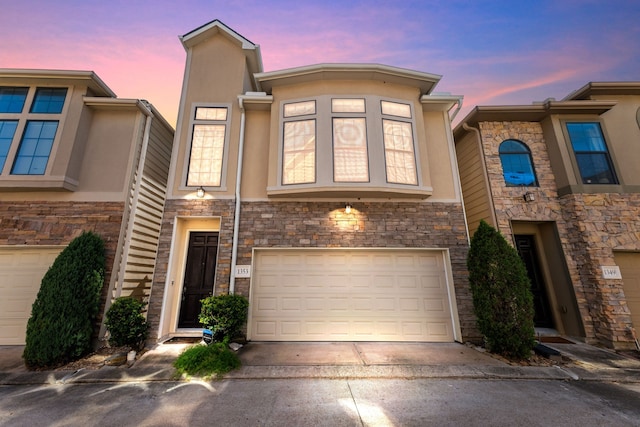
{"points": [[257, 209], [102, 167]]}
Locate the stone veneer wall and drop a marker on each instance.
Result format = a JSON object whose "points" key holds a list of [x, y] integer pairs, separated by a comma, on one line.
{"points": [[57, 223], [590, 227], [324, 224]]}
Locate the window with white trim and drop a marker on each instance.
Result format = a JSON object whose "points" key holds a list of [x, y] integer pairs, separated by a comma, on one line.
{"points": [[299, 144], [348, 141], [208, 136], [32, 130]]}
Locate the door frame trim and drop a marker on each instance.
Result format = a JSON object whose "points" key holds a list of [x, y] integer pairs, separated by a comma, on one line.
{"points": [[182, 228]]}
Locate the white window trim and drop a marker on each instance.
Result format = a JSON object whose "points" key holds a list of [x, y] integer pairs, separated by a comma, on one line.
{"points": [[324, 150], [225, 152]]}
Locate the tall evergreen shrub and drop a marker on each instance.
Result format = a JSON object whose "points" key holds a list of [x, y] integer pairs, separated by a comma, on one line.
{"points": [[62, 317], [501, 291]]}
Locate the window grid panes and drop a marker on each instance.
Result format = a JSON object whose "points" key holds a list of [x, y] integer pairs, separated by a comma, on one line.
{"points": [[296, 109], [49, 100], [299, 152], [591, 153], [398, 151], [7, 131], [208, 113], [35, 148], [340, 105], [396, 109], [12, 99], [207, 150], [350, 157], [517, 166]]}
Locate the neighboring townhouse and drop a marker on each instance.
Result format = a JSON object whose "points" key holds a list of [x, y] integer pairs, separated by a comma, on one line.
{"points": [[561, 180], [327, 194], [75, 158]]}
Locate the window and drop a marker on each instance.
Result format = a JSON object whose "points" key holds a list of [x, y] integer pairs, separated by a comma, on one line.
{"points": [[35, 148], [12, 99], [348, 143], [207, 146], [517, 166], [591, 153], [7, 130], [49, 100], [299, 145], [350, 157], [400, 159]]}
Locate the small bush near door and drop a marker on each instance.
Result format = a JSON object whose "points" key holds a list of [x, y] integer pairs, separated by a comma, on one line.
{"points": [[224, 315], [126, 323], [62, 317], [502, 298]]}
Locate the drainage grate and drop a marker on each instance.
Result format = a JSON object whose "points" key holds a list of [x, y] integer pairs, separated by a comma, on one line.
{"points": [[556, 340]]}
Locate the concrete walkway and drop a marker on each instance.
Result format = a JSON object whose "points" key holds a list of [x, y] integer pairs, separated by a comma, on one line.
{"points": [[331, 360]]}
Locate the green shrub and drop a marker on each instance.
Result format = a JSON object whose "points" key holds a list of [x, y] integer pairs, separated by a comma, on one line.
{"points": [[501, 291], [62, 317], [225, 315], [207, 360], [126, 323]]}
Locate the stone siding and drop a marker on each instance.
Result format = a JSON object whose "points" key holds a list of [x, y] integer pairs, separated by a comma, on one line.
{"points": [[325, 225], [590, 227], [57, 223]]}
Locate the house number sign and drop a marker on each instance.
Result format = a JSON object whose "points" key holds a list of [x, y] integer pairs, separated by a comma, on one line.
{"points": [[611, 272], [243, 271]]}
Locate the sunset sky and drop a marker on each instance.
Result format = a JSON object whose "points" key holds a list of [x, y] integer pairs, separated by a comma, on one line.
{"points": [[492, 52]]}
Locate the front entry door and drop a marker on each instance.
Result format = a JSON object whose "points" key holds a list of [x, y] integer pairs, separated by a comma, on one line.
{"points": [[527, 250], [199, 276]]}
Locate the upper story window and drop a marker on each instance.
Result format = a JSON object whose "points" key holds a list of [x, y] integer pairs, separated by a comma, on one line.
{"points": [[517, 165], [363, 141], [208, 141], [49, 100], [592, 155], [33, 134], [299, 144], [12, 99], [350, 156]]}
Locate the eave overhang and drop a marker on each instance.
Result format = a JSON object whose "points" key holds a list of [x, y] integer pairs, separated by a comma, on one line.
{"points": [[531, 113], [604, 88], [200, 34], [376, 72], [57, 77]]}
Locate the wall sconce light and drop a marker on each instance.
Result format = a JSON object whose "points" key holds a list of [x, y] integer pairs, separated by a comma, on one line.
{"points": [[347, 208], [200, 192], [529, 197]]}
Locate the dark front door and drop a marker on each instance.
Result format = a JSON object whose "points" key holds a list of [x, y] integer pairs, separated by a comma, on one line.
{"points": [[198, 276], [527, 250]]}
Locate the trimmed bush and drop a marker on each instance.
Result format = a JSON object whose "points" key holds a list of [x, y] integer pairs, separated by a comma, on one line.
{"points": [[501, 290], [206, 360], [62, 317], [126, 323], [225, 315]]}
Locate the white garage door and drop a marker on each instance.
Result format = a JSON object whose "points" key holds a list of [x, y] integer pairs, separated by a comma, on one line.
{"points": [[351, 295], [21, 271], [629, 263]]}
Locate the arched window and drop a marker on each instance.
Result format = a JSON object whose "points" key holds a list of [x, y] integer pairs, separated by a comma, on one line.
{"points": [[517, 165]]}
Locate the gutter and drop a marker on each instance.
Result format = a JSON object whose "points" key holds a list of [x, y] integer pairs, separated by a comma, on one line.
{"points": [[236, 219]]}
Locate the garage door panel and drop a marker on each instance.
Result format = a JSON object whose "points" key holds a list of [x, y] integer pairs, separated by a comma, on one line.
{"points": [[629, 263], [21, 272], [389, 295]]}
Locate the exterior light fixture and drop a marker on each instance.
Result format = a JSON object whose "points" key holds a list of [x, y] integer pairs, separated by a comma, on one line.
{"points": [[200, 192], [529, 197], [347, 208]]}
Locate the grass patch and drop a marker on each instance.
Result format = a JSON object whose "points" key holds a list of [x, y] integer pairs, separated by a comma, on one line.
{"points": [[207, 360]]}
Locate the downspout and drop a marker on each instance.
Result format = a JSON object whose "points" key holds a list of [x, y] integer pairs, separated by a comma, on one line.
{"points": [[236, 220], [484, 168], [456, 111]]}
